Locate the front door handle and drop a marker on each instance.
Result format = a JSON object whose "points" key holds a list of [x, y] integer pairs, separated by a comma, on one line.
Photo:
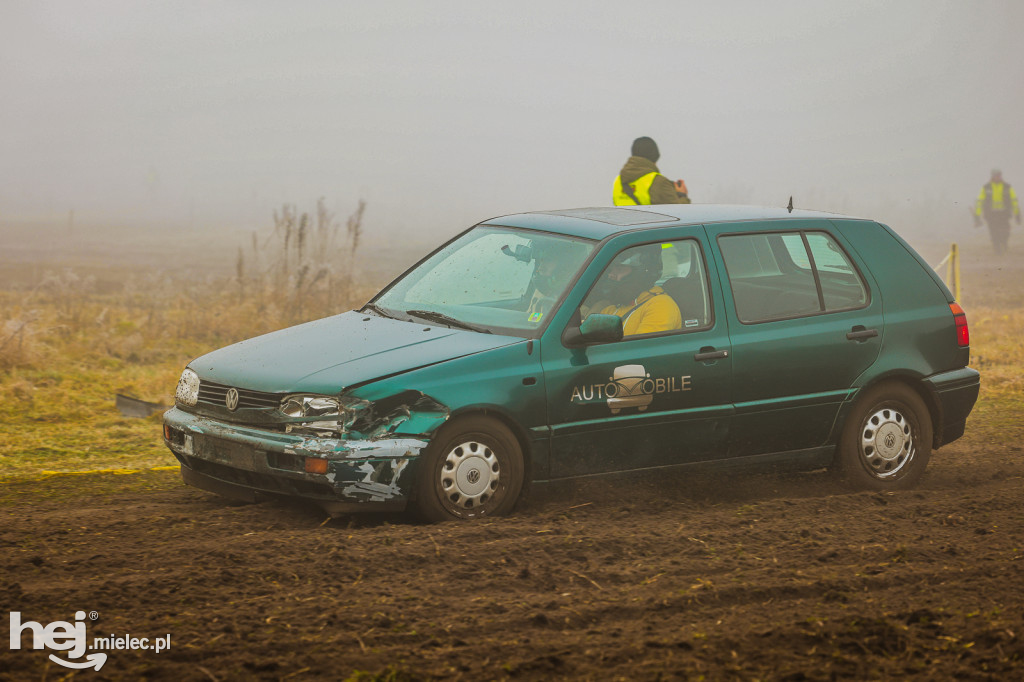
{"points": [[859, 333], [709, 353]]}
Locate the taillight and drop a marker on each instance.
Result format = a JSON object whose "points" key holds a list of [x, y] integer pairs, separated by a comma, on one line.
{"points": [[963, 336]]}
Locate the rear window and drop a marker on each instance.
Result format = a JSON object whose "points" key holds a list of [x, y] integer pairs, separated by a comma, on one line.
{"points": [[783, 275]]}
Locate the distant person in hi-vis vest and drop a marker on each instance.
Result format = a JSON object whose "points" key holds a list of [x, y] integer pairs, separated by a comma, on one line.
{"points": [[640, 182], [997, 203]]}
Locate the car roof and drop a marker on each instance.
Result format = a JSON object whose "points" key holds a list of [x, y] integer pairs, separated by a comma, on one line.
{"points": [[601, 222]]}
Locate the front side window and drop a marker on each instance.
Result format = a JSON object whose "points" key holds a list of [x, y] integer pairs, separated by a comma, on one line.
{"points": [[783, 275], [654, 288], [491, 278]]}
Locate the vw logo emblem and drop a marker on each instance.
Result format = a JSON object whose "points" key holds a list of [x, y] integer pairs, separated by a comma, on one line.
{"points": [[890, 440], [473, 476], [231, 399]]}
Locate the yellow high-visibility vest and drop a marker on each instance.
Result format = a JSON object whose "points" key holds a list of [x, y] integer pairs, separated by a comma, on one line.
{"points": [[641, 188], [997, 197]]}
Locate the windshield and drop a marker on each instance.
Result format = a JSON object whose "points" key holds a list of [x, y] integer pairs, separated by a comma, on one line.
{"points": [[491, 278]]}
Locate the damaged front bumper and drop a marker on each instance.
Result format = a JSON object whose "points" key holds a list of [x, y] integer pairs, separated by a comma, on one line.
{"points": [[247, 463]]}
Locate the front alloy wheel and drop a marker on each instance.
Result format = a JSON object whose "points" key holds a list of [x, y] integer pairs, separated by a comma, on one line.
{"points": [[473, 467]]}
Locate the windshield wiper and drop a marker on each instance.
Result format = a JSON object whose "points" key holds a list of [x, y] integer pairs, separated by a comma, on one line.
{"points": [[374, 308], [433, 316]]}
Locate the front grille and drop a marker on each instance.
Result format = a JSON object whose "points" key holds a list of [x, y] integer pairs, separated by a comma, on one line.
{"points": [[214, 394], [286, 461], [259, 481]]}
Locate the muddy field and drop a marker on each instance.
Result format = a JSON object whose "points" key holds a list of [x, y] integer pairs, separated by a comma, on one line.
{"points": [[770, 575]]}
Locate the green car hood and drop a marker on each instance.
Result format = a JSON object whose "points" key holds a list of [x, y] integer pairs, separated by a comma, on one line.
{"points": [[328, 355]]}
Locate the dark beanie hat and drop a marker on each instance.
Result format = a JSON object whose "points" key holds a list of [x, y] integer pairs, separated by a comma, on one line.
{"points": [[645, 147]]}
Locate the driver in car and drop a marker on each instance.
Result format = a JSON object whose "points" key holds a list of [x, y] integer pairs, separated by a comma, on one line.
{"points": [[631, 293], [550, 276]]}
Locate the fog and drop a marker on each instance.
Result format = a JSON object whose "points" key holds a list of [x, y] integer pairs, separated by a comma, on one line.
{"points": [[210, 115]]}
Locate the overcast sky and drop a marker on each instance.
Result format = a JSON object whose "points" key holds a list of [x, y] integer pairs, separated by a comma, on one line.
{"points": [[441, 113]]}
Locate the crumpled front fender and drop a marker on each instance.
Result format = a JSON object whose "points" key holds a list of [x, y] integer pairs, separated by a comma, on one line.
{"points": [[369, 465]]}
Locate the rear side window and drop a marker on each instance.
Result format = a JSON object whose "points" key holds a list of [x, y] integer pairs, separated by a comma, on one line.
{"points": [[782, 275], [841, 285], [749, 256]]}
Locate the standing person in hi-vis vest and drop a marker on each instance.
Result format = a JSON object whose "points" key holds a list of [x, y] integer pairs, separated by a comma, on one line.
{"points": [[997, 203], [639, 181]]}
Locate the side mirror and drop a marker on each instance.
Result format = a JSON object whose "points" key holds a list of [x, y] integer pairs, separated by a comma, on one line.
{"points": [[596, 328]]}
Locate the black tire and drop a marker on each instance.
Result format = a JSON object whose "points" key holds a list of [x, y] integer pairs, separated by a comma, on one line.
{"points": [[472, 468], [887, 439]]}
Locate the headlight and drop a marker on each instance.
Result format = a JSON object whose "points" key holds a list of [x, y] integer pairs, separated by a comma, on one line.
{"points": [[187, 392], [313, 406], [310, 406]]}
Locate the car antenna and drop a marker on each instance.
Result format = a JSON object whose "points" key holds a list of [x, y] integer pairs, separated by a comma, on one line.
{"points": [[790, 207]]}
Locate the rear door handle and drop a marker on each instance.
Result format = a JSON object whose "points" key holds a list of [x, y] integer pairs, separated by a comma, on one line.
{"points": [[709, 353], [859, 333]]}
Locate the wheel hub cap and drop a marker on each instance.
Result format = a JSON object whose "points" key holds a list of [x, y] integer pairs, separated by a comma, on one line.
{"points": [[470, 474], [887, 442]]}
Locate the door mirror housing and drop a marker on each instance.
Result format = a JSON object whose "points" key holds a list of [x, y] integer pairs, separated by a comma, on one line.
{"points": [[597, 328]]}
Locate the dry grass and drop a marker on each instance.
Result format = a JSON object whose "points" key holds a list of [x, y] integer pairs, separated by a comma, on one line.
{"points": [[997, 351], [67, 348]]}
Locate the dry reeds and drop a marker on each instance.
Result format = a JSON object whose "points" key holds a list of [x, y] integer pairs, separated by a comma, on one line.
{"points": [[302, 270], [16, 340]]}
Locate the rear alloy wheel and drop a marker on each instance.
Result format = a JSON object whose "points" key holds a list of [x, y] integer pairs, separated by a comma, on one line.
{"points": [[473, 468], [887, 440]]}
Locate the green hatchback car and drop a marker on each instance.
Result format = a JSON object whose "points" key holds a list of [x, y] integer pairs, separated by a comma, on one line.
{"points": [[550, 345]]}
